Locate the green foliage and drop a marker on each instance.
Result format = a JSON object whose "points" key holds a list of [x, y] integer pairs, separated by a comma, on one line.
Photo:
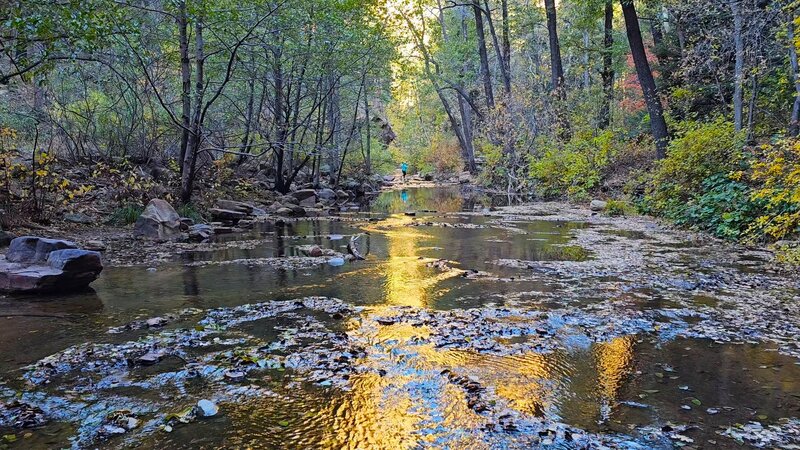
{"points": [[616, 208], [701, 151], [574, 168], [709, 183], [188, 210], [125, 215], [724, 208]]}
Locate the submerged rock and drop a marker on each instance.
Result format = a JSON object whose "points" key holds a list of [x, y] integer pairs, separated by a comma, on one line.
{"points": [[39, 265], [207, 408], [335, 262], [158, 221]]}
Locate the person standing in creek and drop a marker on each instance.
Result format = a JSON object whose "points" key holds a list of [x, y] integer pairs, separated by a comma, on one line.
{"points": [[404, 169]]}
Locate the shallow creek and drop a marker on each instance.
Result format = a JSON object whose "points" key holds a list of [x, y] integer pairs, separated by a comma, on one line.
{"points": [[525, 326]]}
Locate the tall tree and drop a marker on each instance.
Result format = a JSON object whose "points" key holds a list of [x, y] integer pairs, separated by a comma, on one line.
{"points": [[608, 64], [658, 125], [500, 52], [556, 66], [486, 74], [794, 122], [738, 75]]}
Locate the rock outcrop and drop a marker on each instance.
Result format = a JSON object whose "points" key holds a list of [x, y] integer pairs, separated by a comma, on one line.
{"points": [[158, 221], [39, 265]]}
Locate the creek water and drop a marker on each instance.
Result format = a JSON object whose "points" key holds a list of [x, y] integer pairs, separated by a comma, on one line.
{"points": [[463, 329]]}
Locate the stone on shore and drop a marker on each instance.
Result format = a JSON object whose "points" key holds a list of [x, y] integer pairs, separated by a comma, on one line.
{"points": [[200, 232], [598, 205], [232, 205], [327, 194], [304, 194], [39, 265], [158, 221], [34, 250], [226, 214]]}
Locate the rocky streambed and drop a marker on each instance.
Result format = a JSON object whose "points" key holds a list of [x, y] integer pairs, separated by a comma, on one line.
{"points": [[465, 327]]}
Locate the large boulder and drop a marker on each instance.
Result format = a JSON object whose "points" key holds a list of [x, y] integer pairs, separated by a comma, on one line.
{"points": [[34, 250], [305, 197], [158, 221], [39, 265]]}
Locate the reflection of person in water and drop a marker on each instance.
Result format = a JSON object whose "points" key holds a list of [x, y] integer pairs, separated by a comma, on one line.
{"points": [[404, 169], [404, 196]]}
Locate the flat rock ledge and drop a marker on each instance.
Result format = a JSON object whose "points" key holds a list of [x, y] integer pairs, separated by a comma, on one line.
{"points": [[35, 265]]}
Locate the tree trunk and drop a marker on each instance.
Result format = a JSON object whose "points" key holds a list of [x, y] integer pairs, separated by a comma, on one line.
{"points": [[556, 67], [506, 40], [751, 110], [658, 125], [501, 58], [248, 120], [608, 65], [280, 126], [794, 122], [368, 154], [587, 78], [196, 134], [186, 79], [486, 75], [738, 75]]}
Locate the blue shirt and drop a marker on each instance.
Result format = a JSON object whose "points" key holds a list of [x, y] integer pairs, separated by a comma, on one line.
{"points": [[404, 167]]}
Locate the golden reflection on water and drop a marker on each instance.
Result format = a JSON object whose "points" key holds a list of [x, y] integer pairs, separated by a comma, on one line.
{"points": [[365, 416], [414, 404], [408, 281], [613, 361], [389, 411]]}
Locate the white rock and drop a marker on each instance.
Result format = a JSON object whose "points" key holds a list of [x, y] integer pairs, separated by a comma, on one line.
{"points": [[207, 408]]}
